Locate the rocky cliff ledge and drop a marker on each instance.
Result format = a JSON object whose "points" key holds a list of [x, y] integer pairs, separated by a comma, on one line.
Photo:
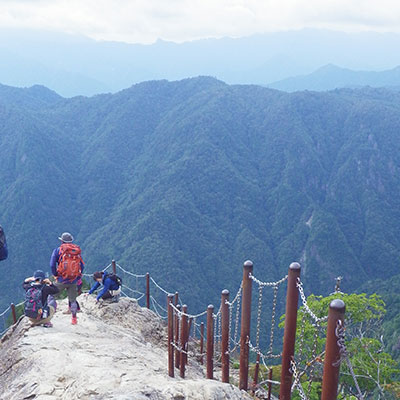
{"points": [[117, 351]]}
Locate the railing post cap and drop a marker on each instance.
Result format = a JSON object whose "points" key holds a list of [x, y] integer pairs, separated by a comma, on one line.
{"points": [[295, 265], [178, 306], [225, 292], [210, 306], [338, 305], [248, 264], [170, 296]]}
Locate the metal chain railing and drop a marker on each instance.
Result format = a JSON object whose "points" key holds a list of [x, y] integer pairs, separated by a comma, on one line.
{"points": [[129, 273], [317, 320], [296, 382], [274, 303], [340, 335], [233, 339], [271, 284]]}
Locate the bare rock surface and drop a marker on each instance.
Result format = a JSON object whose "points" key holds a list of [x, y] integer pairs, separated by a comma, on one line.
{"points": [[117, 351]]}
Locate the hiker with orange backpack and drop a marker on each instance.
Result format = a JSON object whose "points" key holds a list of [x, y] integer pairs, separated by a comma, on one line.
{"points": [[67, 266]]}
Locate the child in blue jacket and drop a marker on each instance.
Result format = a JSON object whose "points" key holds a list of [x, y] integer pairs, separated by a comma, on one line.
{"points": [[111, 286]]}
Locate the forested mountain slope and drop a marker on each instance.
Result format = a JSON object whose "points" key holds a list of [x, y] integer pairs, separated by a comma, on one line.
{"points": [[188, 179]]}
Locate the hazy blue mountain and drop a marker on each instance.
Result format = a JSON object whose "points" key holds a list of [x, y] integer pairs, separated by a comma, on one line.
{"points": [[331, 77], [189, 179], [74, 65]]}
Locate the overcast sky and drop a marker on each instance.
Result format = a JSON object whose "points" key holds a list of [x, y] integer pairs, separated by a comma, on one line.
{"points": [[145, 21]]}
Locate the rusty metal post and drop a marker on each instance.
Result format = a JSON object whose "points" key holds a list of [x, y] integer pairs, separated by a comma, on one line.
{"points": [[170, 335], [114, 267], [269, 384], [330, 377], [210, 341], [201, 343], [176, 298], [245, 326], [256, 373], [225, 335], [184, 326], [289, 336], [147, 290], [14, 314], [177, 353]]}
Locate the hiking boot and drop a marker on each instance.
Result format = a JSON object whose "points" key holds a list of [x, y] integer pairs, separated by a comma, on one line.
{"points": [[74, 320], [115, 299], [67, 311], [48, 325]]}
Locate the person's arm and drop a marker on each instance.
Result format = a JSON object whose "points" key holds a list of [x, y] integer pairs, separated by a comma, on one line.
{"points": [[3, 245], [27, 283], [51, 289], [82, 266], [53, 261], [107, 284], [94, 287]]}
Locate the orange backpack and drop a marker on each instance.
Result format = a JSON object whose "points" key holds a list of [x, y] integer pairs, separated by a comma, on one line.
{"points": [[69, 261]]}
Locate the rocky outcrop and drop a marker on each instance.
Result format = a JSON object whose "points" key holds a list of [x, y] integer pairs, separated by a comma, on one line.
{"points": [[117, 351]]}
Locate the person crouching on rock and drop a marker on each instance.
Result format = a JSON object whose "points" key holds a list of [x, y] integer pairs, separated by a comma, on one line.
{"points": [[39, 305], [111, 286]]}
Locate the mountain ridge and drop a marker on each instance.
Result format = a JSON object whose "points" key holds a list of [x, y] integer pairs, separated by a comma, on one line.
{"points": [[329, 77], [188, 179], [73, 65]]}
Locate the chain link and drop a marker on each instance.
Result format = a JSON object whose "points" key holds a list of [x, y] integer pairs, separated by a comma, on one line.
{"points": [[312, 366], [301, 344], [258, 351], [271, 284], [260, 294], [215, 317], [220, 333], [127, 272], [235, 342], [340, 335], [274, 301], [317, 320], [296, 383]]}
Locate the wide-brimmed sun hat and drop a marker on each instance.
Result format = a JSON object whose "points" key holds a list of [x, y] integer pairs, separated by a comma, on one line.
{"points": [[66, 237]]}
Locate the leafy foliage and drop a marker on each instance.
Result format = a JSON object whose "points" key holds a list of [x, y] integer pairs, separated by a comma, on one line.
{"points": [[374, 368]]}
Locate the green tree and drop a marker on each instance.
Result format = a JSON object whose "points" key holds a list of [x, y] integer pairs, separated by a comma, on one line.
{"points": [[375, 370]]}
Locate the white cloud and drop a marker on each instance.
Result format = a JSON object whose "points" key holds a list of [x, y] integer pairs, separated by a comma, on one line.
{"points": [[180, 20]]}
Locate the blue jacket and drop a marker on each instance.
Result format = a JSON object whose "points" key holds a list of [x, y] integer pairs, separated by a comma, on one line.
{"points": [[108, 284], [53, 265], [3, 245]]}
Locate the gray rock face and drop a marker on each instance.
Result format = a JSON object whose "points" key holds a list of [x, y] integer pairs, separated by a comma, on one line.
{"points": [[117, 351]]}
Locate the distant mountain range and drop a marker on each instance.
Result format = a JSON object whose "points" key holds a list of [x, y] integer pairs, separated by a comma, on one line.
{"points": [[331, 77], [74, 65], [189, 179]]}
